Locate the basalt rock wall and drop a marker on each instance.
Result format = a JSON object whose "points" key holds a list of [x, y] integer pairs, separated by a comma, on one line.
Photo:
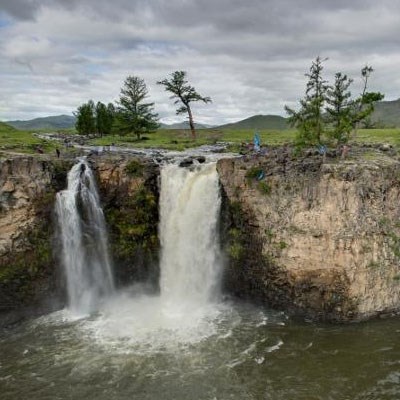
{"points": [[29, 279], [316, 236], [129, 193]]}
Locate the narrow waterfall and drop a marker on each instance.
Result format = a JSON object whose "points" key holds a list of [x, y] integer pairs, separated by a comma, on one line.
{"points": [[190, 258], [84, 241]]}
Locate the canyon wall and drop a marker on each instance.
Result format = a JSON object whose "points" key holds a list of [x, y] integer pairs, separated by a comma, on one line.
{"points": [[318, 237]]}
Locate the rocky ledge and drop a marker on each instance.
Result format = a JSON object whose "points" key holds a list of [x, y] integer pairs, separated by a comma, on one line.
{"points": [[318, 236]]}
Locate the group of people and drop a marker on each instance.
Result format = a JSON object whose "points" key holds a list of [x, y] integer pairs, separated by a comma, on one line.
{"points": [[343, 150]]}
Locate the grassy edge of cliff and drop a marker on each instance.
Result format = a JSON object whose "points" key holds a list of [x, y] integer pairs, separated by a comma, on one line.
{"points": [[28, 142]]}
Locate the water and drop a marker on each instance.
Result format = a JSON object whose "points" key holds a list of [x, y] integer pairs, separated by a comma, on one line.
{"points": [[84, 241], [249, 354], [189, 213], [188, 343]]}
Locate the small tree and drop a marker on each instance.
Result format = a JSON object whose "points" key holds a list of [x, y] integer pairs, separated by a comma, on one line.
{"points": [[309, 120], [133, 115], [185, 94], [330, 109], [364, 105], [85, 118], [340, 108]]}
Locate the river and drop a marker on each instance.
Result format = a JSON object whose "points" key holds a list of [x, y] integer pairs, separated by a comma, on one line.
{"points": [[239, 352]]}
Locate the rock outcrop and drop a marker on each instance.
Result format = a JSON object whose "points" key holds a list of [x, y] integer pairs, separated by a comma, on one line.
{"points": [[31, 280], [318, 237], [28, 274], [129, 193]]}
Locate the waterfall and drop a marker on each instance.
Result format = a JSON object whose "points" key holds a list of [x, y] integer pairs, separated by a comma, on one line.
{"points": [[83, 235], [190, 257]]}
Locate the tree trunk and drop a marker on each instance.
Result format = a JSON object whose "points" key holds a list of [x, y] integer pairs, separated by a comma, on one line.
{"points": [[191, 123]]}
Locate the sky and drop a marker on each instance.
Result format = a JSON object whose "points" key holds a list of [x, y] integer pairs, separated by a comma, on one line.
{"points": [[249, 56]]}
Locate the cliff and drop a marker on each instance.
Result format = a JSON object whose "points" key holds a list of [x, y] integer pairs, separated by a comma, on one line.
{"points": [[320, 238], [28, 274], [317, 237], [31, 279], [129, 191]]}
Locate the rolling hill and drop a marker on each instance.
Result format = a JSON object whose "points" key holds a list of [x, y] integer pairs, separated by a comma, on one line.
{"points": [[258, 122], [387, 114], [53, 122], [184, 125], [6, 128]]}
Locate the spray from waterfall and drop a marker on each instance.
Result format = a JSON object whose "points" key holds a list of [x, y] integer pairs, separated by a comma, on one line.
{"points": [[83, 235]]}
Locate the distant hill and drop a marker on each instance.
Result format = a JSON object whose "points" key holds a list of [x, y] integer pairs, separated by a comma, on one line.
{"points": [[184, 125], [6, 128], [387, 114], [258, 122], [54, 122]]}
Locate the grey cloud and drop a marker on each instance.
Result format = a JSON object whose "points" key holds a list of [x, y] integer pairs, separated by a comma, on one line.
{"points": [[79, 81], [20, 9], [249, 56]]}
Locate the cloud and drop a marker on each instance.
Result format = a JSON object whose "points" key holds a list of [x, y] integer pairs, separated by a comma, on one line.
{"points": [[249, 56]]}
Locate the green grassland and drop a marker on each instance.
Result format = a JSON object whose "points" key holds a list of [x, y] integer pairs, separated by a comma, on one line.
{"points": [[12, 140], [181, 139], [390, 136]]}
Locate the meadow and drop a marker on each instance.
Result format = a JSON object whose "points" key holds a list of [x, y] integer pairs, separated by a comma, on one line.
{"points": [[12, 140]]}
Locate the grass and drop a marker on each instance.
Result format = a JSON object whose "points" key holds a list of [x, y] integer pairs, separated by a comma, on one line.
{"points": [[390, 136], [25, 142], [18, 141], [181, 139]]}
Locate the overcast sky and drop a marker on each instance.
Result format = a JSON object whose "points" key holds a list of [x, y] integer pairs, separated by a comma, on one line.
{"points": [[249, 56]]}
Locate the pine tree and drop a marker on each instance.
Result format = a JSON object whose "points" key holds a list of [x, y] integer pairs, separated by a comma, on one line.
{"points": [[364, 104], [309, 120], [133, 115], [340, 108], [185, 94], [85, 118], [104, 118]]}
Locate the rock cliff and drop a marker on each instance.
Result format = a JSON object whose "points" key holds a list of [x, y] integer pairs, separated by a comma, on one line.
{"points": [[31, 279], [129, 192], [317, 237], [28, 274]]}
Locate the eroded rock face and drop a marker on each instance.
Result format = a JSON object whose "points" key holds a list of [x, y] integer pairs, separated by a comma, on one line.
{"points": [[31, 280], [28, 278], [129, 192], [318, 237]]}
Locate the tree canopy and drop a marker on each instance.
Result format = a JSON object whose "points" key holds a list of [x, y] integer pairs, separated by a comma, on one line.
{"points": [[133, 114], [329, 112]]}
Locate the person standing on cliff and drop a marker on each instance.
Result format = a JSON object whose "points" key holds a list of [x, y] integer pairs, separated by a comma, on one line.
{"points": [[58, 152], [345, 150]]}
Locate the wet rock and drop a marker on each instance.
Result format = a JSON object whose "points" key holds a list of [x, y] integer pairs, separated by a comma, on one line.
{"points": [[201, 159], [186, 162]]}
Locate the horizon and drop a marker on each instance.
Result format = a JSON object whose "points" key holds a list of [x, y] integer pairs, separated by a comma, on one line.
{"points": [[165, 123], [250, 58]]}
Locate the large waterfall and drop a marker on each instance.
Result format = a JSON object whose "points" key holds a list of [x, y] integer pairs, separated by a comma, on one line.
{"points": [[190, 265], [189, 212], [84, 241]]}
